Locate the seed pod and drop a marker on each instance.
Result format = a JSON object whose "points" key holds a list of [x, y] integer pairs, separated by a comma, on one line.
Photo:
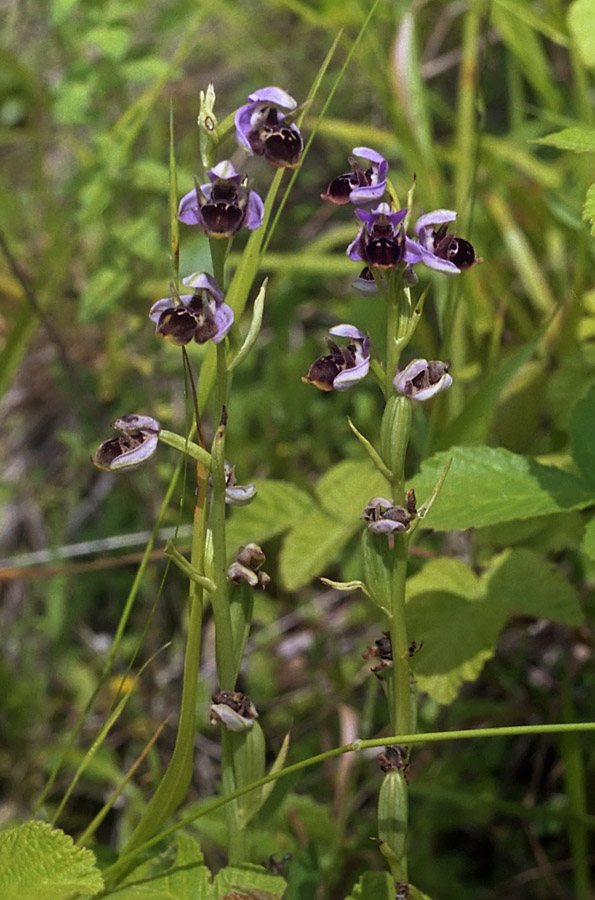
{"points": [[394, 434], [392, 815]]}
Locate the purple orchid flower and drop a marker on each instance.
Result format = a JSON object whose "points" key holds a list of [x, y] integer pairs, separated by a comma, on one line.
{"points": [[264, 131], [223, 206], [422, 380], [360, 186], [437, 248], [381, 241], [137, 442], [201, 316], [383, 517], [343, 366]]}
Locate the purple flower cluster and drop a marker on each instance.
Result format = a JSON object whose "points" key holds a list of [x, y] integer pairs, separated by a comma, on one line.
{"points": [[221, 207], [381, 241]]}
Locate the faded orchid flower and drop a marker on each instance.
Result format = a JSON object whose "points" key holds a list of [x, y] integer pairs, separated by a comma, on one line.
{"points": [[137, 442], [247, 567], [265, 131], [343, 366], [360, 185], [438, 248], [421, 379], [201, 316], [234, 710], [384, 518], [223, 206], [235, 494], [381, 240]]}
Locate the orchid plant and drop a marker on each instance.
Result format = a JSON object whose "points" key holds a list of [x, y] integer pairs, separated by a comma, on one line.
{"points": [[221, 208]]}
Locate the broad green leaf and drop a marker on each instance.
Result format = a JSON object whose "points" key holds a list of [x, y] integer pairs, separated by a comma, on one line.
{"points": [[588, 544], [578, 138], [346, 489], [374, 886], [185, 877], [589, 208], [582, 436], [486, 485], [581, 16], [458, 636], [529, 585], [445, 574], [277, 506], [310, 547], [41, 862], [257, 883], [545, 533]]}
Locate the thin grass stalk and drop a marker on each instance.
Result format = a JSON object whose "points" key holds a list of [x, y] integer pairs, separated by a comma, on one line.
{"points": [[357, 746], [575, 784]]}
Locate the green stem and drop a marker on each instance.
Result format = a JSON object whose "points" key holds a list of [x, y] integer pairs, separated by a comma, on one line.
{"points": [[173, 787], [183, 445], [356, 746], [236, 836], [393, 314], [219, 248], [220, 598], [400, 712], [575, 784]]}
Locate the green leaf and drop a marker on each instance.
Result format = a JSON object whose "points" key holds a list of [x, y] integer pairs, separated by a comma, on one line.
{"points": [[250, 878], [582, 436], [446, 574], [458, 636], [346, 489], [588, 545], [374, 886], [314, 543], [39, 861], [588, 213], [581, 16], [277, 506], [529, 585], [186, 879], [578, 138], [486, 485]]}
